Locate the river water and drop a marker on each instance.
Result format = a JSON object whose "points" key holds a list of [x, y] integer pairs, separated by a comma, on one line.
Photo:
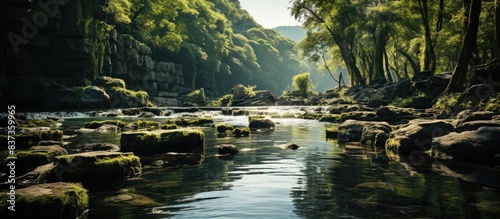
{"points": [[321, 179]]}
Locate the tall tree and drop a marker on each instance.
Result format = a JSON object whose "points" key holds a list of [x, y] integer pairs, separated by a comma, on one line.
{"points": [[469, 42], [337, 19], [497, 29]]}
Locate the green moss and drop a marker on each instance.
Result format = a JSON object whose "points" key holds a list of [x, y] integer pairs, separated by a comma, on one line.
{"points": [[249, 90], [37, 123], [240, 112], [31, 159], [97, 124], [491, 104], [190, 122], [146, 124], [223, 128], [28, 139], [197, 96], [108, 82], [239, 132], [447, 101], [311, 116], [169, 126], [162, 141], [225, 100], [137, 97], [63, 201], [250, 118], [333, 118], [402, 102], [332, 133]]}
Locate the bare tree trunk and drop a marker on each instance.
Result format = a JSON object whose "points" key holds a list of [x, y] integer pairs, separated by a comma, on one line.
{"points": [[468, 44], [497, 29]]}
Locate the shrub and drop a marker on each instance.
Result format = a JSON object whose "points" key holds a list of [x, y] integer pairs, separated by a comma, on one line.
{"points": [[302, 82]]}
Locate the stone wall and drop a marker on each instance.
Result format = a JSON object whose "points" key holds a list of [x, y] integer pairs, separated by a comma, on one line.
{"points": [[57, 51]]}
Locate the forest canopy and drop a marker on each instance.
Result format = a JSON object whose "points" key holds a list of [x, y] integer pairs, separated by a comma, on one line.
{"points": [[212, 37]]}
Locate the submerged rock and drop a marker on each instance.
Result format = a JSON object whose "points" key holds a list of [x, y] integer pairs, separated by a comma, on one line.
{"points": [[477, 146], [163, 141], [227, 149], [289, 146], [49, 200]]}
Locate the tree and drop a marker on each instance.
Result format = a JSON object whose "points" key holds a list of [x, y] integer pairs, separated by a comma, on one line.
{"points": [[469, 42], [336, 19]]}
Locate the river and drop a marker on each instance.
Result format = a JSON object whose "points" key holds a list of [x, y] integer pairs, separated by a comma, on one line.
{"points": [[321, 179]]}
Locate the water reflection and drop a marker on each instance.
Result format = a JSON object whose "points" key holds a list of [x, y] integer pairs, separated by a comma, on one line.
{"points": [[319, 180]]}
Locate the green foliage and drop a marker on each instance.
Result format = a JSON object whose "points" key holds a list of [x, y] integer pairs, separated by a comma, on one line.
{"points": [[302, 82], [491, 104], [225, 100], [402, 102], [197, 96], [446, 101]]}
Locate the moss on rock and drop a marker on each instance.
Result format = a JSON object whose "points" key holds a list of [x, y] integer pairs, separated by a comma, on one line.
{"points": [[97, 124], [191, 121], [38, 155], [163, 141], [95, 168], [241, 132], [28, 139], [223, 128], [50, 200], [169, 126]]}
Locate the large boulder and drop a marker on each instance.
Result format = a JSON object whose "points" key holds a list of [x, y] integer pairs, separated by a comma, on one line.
{"points": [[93, 169], [474, 125], [434, 85], [477, 146], [488, 73], [109, 82], [163, 141], [416, 137], [94, 98], [38, 155], [366, 133], [49, 200], [259, 98], [256, 124]]}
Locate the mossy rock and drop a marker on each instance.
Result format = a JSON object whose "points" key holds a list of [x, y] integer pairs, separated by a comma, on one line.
{"points": [[169, 126], [97, 124], [223, 128], [256, 124], [332, 118], [131, 112], [256, 117], [96, 168], [49, 200], [191, 121], [123, 98], [332, 133], [28, 139], [241, 132], [240, 113], [163, 141], [37, 123], [109, 82], [38, 155]]}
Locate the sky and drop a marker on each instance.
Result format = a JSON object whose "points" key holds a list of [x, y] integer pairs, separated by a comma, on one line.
{"points": [[270, 13]]}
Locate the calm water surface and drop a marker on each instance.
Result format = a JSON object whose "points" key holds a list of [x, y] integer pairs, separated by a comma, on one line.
{"points": [[319, 180]]}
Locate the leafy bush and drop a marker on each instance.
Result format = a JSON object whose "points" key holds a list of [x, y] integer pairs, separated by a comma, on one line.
{"points": [[302, 82]]}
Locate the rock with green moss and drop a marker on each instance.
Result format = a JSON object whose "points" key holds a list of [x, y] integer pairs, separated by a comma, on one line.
{"points": [[256, 117], [332, 133], [191, 121], [94, 97], [169, 126], [124, 98], [49, 200], [163, 141], [94, 169], [97, 124], [241, 132], [31, 137], [256, 124], [109, 82], [223, 128], [38, 155], [416, 137]]}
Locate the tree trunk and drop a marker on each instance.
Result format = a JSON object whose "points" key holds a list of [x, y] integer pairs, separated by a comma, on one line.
{"points": [[413, 64], [497, 29], [429, 54], [468, 44]]}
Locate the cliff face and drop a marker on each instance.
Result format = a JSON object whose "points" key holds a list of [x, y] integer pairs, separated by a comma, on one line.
{"points": [[46, 44]]}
